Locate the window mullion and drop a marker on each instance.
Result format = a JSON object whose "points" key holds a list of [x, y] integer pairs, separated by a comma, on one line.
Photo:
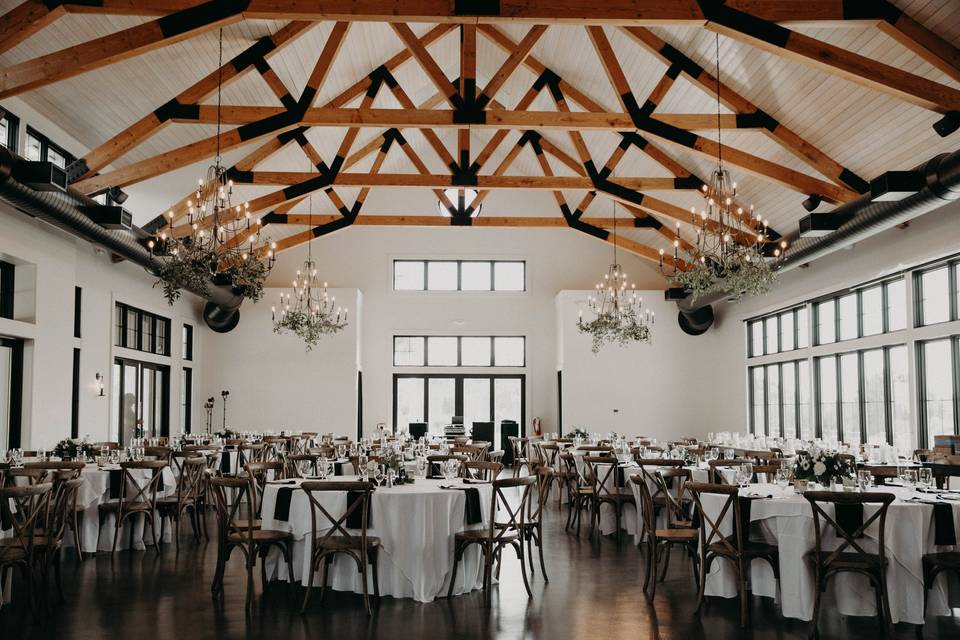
{"points": [[887, 396]]}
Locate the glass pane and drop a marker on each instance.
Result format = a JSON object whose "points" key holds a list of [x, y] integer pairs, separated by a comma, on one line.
{"points": [[441, 352], [408, 351], [904, 436], [115, 402], [118, 326], [441, 408], [147, 380], [873, 397], [786, 331], [758, 421], [409, 402], [938, 388], [804, 410], [441, 276], [871, 310], [509, 276], [56, 158], [956, 290], [788, 375], [850, 397], [33, 149], [475, 276], [129, 403], [935, 300], [4, 140], [408, 275], [186, 394], [508, 352], [133, 324], [773, 400], [772, 333], [828, 397], [476, 400], [803, 329], [161, 337], [826, 322], [146, 330], [848, 316], [507, 402], [474, 352], [756, 338], [896, 305]]}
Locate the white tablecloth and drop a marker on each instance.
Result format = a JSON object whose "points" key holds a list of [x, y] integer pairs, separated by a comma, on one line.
{"points": [[416, 525], [787, 520]]}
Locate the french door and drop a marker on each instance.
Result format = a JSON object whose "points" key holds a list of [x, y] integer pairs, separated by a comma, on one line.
{"points": [[141, 392], [436, 398], [11, 392]]}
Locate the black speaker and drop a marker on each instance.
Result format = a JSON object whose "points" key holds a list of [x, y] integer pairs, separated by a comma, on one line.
{"points": [[417, 430], [508, 428], [483, 431]]}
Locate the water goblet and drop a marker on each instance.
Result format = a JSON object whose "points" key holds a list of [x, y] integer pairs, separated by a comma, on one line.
{"points": [[925, 478], [378, 474], [910, 477], [865, 480]]}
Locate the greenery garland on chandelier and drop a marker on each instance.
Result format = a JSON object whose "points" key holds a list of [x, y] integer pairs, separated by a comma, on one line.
{"points": [[221, 245]]}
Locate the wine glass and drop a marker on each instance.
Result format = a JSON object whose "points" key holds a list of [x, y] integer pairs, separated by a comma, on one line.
{"points": [[925, 478], [910, 477], [322, 467], [328, 467], [378, 474], [865, 480], [450, 469], [421, 467], [782, 477]]}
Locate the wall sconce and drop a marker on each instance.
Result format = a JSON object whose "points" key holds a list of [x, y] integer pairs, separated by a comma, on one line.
{"points": [[99, 384]]}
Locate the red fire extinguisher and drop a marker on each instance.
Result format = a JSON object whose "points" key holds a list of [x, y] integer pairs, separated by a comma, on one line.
{"points": [[537, 427]]}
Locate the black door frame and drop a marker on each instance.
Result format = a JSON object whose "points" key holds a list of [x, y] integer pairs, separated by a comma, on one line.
{"points": [[16, 391], [164, 394], [458, 392]]}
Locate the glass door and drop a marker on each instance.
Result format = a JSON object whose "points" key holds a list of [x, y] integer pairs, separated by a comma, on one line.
{"points": [[441, 403], [11, 392], [144, 392], [507, 404]]}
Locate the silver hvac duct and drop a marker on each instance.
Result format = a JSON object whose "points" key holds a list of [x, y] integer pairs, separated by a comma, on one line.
{"points": [[61, 208], [941, 184]]}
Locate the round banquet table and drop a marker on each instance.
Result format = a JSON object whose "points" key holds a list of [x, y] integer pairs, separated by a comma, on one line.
{"points": [[416, 524], [786, 520]]}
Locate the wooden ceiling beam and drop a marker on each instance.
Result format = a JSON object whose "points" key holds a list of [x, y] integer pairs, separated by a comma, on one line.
{"points": [[142, 129], [116, 47], [921, 41], [513, 62], [402, 220], [444, 181], [427, 63], [24, 20], [735, 101], [243, 135], [779, 40], [468, 89]]}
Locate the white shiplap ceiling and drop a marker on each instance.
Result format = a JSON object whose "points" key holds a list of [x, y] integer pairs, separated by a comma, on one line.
{"points": [[867, 131]]}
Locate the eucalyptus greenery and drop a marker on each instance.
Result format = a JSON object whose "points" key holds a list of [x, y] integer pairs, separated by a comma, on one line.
{"points": [[739, 278], [192, 266], [189, 269], [310, 327], [608, 327]]}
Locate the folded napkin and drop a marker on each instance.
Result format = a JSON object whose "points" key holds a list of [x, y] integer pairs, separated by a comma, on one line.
{"points": [[355, 519], [944, 532], [281, 509], [849, 517], [116, 483], [472, 513], [225, 462], [618, 477]]}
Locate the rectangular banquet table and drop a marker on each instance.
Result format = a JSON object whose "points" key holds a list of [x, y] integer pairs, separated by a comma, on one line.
{"points": [[416, 524], [786, 520]]}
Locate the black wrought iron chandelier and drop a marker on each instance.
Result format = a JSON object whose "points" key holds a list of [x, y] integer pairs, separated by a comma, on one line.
{"points": [[733, 253], [309, 311], [618, 311], [221, 243]]}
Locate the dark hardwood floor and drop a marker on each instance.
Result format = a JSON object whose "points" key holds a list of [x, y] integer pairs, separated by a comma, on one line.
{"points": [[594, 592]]}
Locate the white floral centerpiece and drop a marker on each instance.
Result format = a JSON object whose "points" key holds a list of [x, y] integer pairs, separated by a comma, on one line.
{"points": [[823, 466]]}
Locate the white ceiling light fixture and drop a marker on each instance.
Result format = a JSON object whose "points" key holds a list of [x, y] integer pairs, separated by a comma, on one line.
{"points": [[461, 200]]}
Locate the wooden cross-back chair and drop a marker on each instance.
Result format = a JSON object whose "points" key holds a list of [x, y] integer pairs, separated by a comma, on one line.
{"points": [[160, 453], [63, 471], [31, 505], [533, 524], [518, 447], [492, 539], [298, 465], [849, 554], [716, 476], [485, 471], [259, 474], [659, 541], [435, 462], [331, 535], [61, 512], [191, 490], [355, 463], [648, 468], [135, 498], [238, 528], [601, 472], [471, 452], [579, 493], [251, 453], [736, 548]]}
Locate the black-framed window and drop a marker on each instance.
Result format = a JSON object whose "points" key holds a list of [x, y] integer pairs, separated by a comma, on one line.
{"points": [[459, 351], [937, 294], [11, 376], [9, 127], [187, 346], [77, 311], [141, 330], [40, 147], [7, 288], [75, 397], [938, 370], [459, 275], [780, 399], [778, 332], [186, 399], [862, 397], [869, 310]]}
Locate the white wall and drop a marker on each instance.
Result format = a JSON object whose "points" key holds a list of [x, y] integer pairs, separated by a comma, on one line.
{"points": [[274, 382], [929, 237], [60, 263]]}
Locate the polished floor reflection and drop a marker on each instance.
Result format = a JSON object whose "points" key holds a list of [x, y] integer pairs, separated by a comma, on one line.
{"points": [[594, 592]]}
